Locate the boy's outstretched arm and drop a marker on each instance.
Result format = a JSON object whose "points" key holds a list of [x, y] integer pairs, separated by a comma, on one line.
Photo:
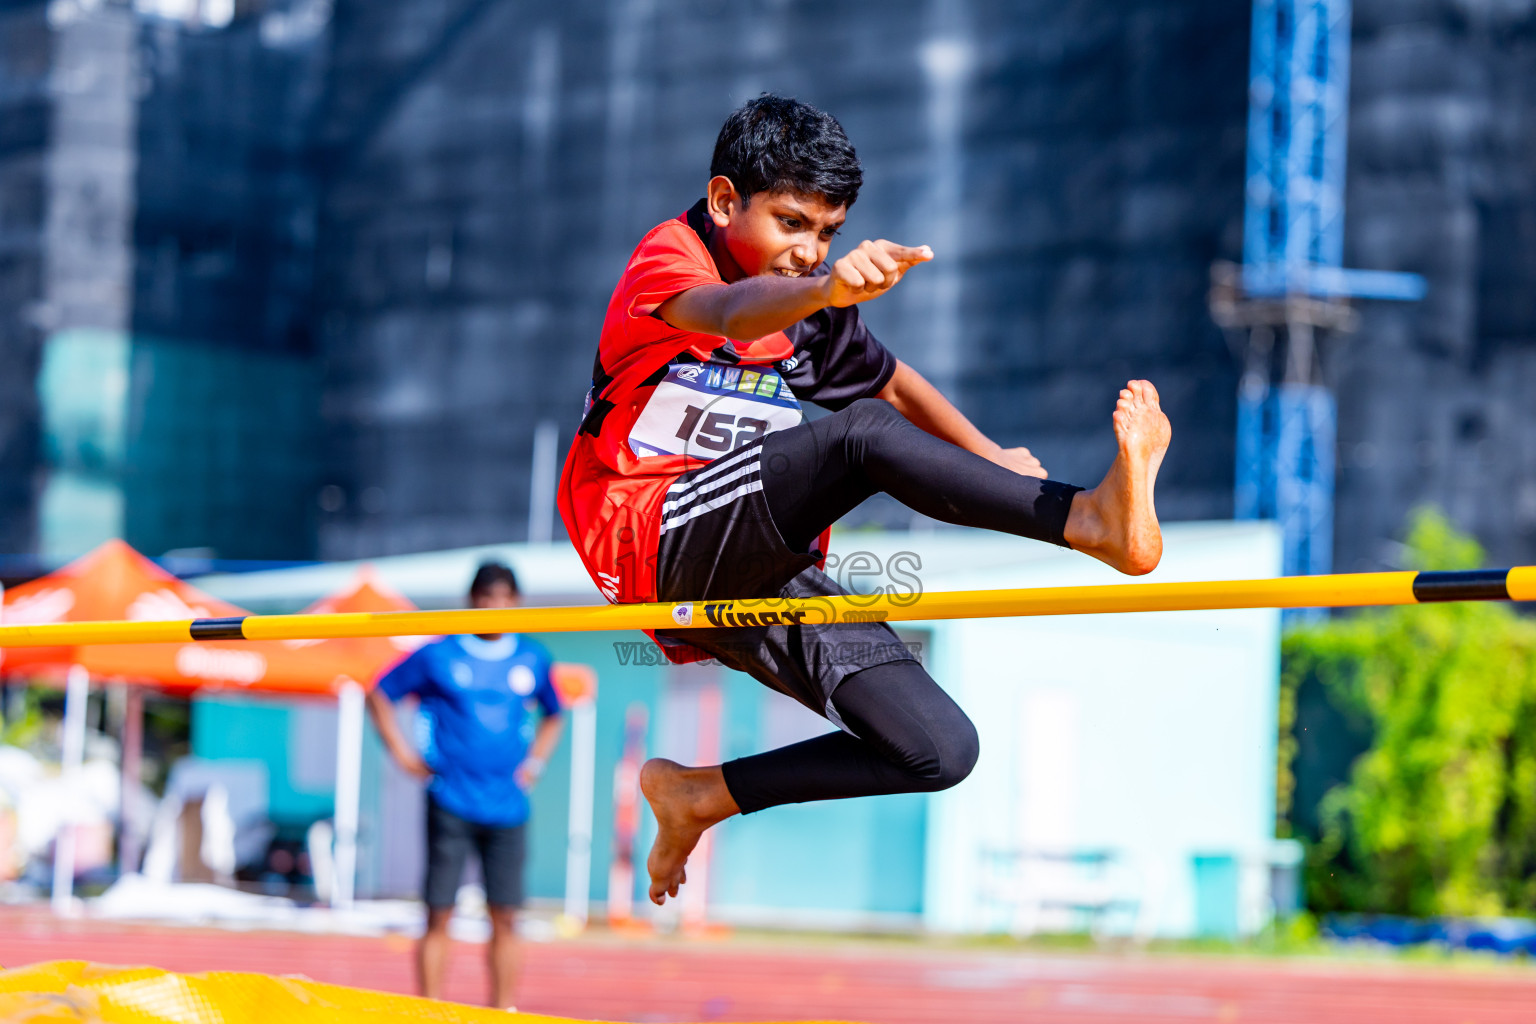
{"points": [[923, 404], [756, 306]]}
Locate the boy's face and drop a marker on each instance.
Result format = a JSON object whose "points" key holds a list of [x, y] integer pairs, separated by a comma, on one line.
{"points": [[782, 233]]}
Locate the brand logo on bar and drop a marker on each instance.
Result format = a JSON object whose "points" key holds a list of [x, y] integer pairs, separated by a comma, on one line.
{"points": [[725, 614], [228, 666]]}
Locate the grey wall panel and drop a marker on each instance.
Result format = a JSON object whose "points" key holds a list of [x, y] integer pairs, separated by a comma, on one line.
{"points": [[1076, 168], [25, 58]]}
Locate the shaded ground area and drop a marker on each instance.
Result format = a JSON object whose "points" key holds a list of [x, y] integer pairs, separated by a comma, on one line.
{"points": [[673, 980]]}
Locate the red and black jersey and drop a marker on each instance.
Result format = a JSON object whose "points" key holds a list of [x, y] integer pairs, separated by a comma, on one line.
{"points": [[665, 401]]}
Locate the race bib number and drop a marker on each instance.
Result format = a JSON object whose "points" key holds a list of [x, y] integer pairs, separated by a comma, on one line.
{"points": [[705, 410]]}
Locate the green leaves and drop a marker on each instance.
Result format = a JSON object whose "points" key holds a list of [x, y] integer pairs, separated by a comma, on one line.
{"points": [[1439, 815]]}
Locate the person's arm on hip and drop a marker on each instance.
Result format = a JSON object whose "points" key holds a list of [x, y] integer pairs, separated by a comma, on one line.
{"points": [[545, 740], [406, 756]]}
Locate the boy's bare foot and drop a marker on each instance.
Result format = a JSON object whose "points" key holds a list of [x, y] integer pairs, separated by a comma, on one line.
{"points": [[686, 801], [1116, 522]]}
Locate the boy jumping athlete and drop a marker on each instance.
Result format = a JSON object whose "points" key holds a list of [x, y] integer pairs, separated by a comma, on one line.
{"points": [[695, 477]]}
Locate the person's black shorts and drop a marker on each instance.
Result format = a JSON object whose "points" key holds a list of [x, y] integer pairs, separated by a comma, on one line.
{"points": [[719, 542], [501, 848]]}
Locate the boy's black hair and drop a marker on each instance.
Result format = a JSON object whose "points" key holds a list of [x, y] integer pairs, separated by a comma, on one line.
{"points": [[774, 142], [489, 574]]}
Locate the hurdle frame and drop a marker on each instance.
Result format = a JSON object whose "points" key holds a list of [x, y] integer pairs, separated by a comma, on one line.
{"points": [[1344, 590]]}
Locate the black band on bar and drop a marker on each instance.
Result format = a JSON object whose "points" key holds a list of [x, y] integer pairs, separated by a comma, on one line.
{"points": [[1474, 585], [218, 629]]}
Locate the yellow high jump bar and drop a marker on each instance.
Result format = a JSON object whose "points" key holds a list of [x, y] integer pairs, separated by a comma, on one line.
{"points": [[1338, 591]]}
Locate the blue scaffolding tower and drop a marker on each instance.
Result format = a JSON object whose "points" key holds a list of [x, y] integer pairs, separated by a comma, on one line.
{"points": [[1292, 281]]}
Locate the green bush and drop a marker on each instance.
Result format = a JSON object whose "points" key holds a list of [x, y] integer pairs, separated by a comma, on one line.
{"points": [[23, 724], [1439, 815]]}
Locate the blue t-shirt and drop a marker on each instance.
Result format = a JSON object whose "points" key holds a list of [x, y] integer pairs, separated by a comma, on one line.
{"points": [[477, 701]]}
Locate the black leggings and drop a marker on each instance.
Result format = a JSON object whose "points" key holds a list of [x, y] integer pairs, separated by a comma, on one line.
{"points": [[909, 735], [912, 738], [818, 472]]}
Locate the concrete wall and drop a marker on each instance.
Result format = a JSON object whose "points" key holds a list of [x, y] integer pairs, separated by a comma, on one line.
{"points": [[430, 203], [162, 326], [87, 287], [1434, 399], [25, 56], [223, 412], [1076, 169]]}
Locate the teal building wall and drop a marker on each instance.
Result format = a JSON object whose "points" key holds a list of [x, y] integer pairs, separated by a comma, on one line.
{"points": [[252, 728], [173, 444]]}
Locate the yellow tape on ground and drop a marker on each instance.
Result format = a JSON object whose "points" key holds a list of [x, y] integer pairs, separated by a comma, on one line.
{"points": [[78, 992]]}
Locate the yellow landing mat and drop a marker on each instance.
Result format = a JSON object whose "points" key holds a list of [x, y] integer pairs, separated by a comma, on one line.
{"points": [[78, 992]]}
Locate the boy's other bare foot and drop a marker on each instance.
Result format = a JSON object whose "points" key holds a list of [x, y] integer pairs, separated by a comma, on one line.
{"points": [[1116, 522], [686, 801]]}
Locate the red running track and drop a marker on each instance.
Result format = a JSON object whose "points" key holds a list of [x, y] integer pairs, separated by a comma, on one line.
{"points": [[675, 980]]}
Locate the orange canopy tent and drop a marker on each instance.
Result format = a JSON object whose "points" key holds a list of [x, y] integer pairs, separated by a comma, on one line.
{"points": [[113, 581], [116, 582], [371, 654]]}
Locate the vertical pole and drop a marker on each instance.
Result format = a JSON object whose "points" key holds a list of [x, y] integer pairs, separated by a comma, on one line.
{"points": [[626, 817], [948, 61], [542, 482], [1253, 456], [349, 777], [1268, 109], [694, 901], [130, 823], [578, 847], [77, 693]]}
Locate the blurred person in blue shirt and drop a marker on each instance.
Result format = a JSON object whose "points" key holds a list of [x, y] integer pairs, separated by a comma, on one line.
{"points": [[481, 750]]}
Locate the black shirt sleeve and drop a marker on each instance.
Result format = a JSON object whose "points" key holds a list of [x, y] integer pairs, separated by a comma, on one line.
{"points": [[837, 360]]}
